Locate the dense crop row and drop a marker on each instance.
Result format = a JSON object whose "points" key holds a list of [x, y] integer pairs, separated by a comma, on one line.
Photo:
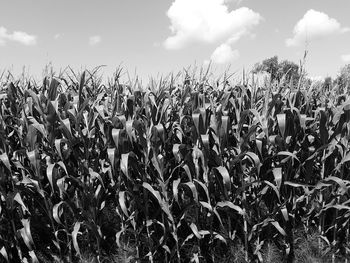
{"points": [[173, 172]]}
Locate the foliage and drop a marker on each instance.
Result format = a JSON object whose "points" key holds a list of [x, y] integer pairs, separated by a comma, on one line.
{"points": [[178, 171], [287, 71], [343, 79]]}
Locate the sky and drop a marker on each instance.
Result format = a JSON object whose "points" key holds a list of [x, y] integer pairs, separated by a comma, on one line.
{"points": [[156, 37]]}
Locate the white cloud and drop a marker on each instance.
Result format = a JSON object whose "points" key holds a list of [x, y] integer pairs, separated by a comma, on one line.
{"points": [[207, 21], [94, 40], [17, 36], [346, 58], [238, 2], [314, 25], [206, 63], [57, 36], [224, 54]]}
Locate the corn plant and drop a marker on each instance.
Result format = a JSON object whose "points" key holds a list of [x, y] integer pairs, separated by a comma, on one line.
{"points": [[180, 170]]}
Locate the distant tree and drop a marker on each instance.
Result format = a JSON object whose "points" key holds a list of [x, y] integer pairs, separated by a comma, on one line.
{"points": [[269, 65], [343, 79], [327, 83], [278, 70], [288, 69]]}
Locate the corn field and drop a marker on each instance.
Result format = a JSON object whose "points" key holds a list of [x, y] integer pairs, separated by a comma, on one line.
{"points": [[181, 170]]}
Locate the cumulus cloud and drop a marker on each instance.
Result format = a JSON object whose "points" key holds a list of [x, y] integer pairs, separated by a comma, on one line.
{"points": [[314, 25], [17, 36], [346, 58], [207, 21], [94, 40], [224, 54], [57, 36], [238, 2]]}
